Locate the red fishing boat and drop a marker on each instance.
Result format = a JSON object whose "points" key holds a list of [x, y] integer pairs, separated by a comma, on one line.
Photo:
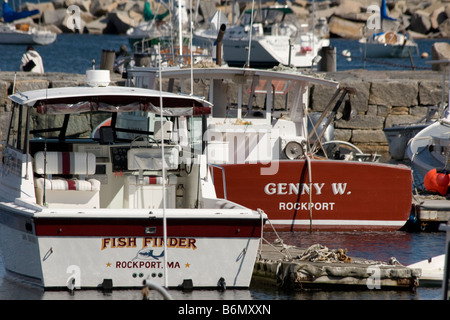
{"points": [[282, 162]]}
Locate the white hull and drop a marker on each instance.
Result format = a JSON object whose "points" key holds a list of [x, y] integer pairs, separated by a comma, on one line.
{"points": [[52, 262], [269, 51], [14, 38], [10, 35], [388, 45], [375, 50], [432, 270]]}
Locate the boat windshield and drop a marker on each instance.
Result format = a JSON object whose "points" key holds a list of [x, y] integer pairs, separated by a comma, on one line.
{"points": [[269, 16]]}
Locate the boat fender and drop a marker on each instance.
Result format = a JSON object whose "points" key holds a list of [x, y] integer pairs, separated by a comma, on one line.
{"points": [[437, 181], [222, 284]]}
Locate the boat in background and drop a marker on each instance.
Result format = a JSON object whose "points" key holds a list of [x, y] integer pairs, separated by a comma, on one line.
{"points": [[13, 30], [432, 270], [263, 155], [399, 135], [152, 29], [25, 33], [387, 42], [77, 211], [167, 38], [276, 38], [429, 150]]}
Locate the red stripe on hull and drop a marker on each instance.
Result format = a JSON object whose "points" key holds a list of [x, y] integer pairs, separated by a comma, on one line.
{"points": [[107, 227], [342, 191]]}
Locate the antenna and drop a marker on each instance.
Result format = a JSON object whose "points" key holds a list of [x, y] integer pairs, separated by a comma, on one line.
{"points": [[166, 281], [250, 35], [190, 44]]}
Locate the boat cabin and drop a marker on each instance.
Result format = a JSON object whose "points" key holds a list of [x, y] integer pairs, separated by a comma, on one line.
{"points": [[69, 147], [257, 115]]}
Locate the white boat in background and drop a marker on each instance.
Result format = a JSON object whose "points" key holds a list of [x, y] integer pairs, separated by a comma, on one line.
{"points": [[429, 150], [13, 30], [387, 42], [25, 33], [77, 211], [168, 38], [399, 135], [432, 270], [388, 45], [270, 35]]}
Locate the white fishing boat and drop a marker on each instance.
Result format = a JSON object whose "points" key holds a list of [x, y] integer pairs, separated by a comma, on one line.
{"points": [[432, 270], [271, 35], [81, 211], [263, 143]]}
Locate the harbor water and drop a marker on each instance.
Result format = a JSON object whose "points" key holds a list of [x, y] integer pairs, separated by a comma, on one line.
{"points": [[73, 53]]}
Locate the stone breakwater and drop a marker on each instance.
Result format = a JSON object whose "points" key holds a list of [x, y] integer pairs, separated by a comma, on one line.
{"points": [[382, 99], [346, 18]]}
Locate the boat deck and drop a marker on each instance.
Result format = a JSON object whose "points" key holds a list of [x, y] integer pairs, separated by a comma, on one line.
{"points": [[284, 267]]}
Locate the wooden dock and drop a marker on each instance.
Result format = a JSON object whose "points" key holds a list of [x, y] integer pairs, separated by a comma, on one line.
{"points": [[319, 267], [433, 210]]}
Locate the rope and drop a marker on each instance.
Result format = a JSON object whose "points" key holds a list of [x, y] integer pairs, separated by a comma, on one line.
{"points": [[288, 255]]}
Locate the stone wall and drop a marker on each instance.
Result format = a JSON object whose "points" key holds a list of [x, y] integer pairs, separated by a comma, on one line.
{"points": [[382, 99]]}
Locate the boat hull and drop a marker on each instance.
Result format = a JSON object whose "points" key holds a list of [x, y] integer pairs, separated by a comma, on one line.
{"points": [[52, 251], [27, 38], [345, 195], [399, 136], [432, 270], [377, 50], [423, 152], [268, 51]]}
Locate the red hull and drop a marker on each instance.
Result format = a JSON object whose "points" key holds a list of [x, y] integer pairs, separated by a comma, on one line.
{"points": [[345, 195]]}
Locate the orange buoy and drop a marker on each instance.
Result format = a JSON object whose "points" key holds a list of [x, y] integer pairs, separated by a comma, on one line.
{"points": [[435, 181]]}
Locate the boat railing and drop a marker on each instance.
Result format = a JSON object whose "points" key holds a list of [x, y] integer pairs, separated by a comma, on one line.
{"points": [[223, 178]]}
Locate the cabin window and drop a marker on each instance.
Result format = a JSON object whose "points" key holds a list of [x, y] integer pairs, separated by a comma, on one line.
{"points": [[17, 136]]}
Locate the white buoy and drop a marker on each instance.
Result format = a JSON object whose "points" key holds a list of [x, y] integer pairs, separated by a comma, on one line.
{"points": [[348, 54]]}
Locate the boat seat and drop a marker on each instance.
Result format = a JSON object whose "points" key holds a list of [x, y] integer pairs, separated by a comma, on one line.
{"points": [[62, 191], [164, 132], [151, 158], [147, 191]]}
